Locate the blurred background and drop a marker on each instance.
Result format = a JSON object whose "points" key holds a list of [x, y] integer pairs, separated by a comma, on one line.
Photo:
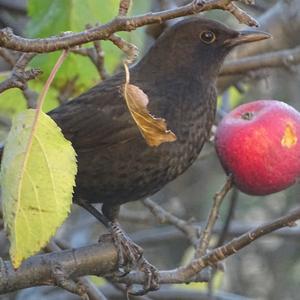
{"points": [[268, 268]]}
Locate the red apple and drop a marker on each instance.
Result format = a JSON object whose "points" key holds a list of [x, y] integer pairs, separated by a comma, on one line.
{"points": [[259, 144]]}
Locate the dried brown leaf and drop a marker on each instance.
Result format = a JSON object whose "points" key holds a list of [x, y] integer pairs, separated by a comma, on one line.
{"points": [[154, 130]]}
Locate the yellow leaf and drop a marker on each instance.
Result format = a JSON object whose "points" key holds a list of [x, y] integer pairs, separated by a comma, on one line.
{"points": [[37, 178], [154, 130]]}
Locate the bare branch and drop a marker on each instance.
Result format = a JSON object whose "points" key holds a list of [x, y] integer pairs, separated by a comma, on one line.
{"points": [[19, 78], [275, 59], [192, 232], [96, 55], [123, 7], [276, 21], [236, 244], [229, 217], [93, 292], [168, 234], [11, 41], [83, 285], [101, 259], [129, 49], [175, 294], [212, 218], [7, 56], [241, 15], [99, 60]]}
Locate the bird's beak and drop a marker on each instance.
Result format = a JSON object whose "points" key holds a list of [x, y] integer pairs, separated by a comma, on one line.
{"points": [[247, 36]]}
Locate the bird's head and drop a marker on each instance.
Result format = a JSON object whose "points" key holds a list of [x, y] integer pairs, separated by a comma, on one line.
{"points": [[197, 44]]}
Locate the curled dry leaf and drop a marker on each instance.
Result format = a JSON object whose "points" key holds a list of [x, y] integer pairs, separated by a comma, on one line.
{"points": [[154, 130]]}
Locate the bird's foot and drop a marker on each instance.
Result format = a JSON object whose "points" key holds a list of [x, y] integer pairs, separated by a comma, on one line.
{"points": [[151, 282], [129, 253], [130, 256]]}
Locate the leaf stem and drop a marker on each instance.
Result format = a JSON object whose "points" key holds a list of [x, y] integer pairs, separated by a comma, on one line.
{"points": [[42, 96]]}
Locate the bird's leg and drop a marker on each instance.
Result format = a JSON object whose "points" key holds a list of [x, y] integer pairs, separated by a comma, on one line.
{"points": [[130, 254]]}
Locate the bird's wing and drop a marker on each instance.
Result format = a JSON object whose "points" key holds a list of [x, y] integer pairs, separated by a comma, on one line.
{"points": [[97, 118]]}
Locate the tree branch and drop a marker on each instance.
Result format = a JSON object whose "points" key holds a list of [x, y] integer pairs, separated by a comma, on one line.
{"points": [[7, 56], [19, 78], [192, 232], [275, 59], [11, 41], [155, 236], [123, 7], [220, 253], [277, 21], [129, 49], [229, 217], [212, 218], [175, 294], [101, 259], [83, 285]]}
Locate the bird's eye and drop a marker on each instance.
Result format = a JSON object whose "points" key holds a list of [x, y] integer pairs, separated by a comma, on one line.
{"points": [[207, 37]]}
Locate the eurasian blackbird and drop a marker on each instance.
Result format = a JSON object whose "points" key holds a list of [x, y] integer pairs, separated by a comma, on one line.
{"points": [[115, 164]]}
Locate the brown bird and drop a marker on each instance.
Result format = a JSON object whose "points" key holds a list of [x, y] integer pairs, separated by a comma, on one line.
{"points": [[115, 165]]}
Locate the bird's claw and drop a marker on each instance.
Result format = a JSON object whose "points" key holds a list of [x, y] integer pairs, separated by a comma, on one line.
{"points": [[151, 282], [130, 255], [151, 278]]}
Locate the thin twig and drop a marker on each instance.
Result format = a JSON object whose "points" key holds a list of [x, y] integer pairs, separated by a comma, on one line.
{"points": [[129, 49], [229, 217], [124, 7], [99, 60], [61, 279], [176, 294], [96, 55], [124, 291], [169, 234], [91, 290], [7, 56], [220, 253], [192, 232], [19, 75], [211, 220], [240, 14], [19, 78], [142, 217]]}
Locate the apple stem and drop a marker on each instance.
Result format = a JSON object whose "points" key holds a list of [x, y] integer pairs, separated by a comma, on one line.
{"points": [[247, 115]]}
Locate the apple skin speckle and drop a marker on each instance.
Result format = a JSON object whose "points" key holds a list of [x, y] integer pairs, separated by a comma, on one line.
{"points": [[259, 144]]}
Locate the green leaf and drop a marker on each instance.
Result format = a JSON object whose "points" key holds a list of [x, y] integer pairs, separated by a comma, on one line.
{"points": [[37, 178], [11, 102], [52, 17]]}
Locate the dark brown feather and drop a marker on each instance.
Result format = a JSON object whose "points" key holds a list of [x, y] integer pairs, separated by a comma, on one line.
{"points": [[178, 74]]}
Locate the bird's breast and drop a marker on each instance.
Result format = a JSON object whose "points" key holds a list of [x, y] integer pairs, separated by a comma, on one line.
{"points": [[131, 170], [192, 130]]}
